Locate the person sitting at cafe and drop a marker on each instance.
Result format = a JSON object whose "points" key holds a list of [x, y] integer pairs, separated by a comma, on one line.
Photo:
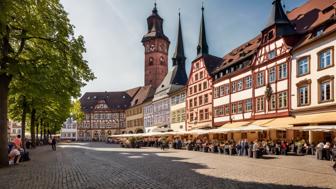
{"points": [[14, 155], [319, 148], [283, 148], [326, 151], [17, 142], [255, 149]]}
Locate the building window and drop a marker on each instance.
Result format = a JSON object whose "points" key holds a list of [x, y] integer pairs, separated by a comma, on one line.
{"points": [[201, 115], [240, 107], [200, 100], [195, 88], [190, 103], [191, 117], [201, 75], [200, 87], [272, 103], [226, 89], [206, 98], [221, 91], [162, 61], [197, 65], [260, 104], [325, 58], [282, 100], [182, 99], [282, 71], [233, 108], [271, 75], [190, 90], [206, 114], [326, 88], [240, 85], [205, 85], [303, 66], [248, 81], [303, 92], [196, 76], [233, 87], [219, 111], [248, 105], [216, 92], [195, 102], [260, 79], [151, 61], [271, 54], [226, 109]]}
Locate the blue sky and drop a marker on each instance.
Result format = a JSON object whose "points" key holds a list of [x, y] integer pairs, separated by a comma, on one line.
{"points": [[113, 30]]}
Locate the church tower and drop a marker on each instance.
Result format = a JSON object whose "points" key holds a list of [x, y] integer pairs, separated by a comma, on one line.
{"points": [[156, 50]]}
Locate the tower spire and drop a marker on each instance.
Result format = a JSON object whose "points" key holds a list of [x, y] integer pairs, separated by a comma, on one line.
{"points": [[155, 11], [279, 18], [178, 57], [202, 47]]}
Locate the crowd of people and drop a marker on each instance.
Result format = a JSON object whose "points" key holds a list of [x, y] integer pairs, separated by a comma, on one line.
{"points": [[253, 149]]}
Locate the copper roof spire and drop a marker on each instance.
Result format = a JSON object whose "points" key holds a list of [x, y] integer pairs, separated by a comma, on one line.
{"points": [[202, 47]]}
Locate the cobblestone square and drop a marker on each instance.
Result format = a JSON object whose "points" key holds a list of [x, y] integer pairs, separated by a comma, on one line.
{"points": [[100, 165]]}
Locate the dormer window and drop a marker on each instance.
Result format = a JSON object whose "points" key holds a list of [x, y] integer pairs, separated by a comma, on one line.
{"points": [[319, 32], [271, 54], [270, 35]]}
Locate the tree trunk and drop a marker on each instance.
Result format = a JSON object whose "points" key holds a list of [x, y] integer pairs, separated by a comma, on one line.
{"points": [[41, 130], [37, 131], [23, 122], [4, 90], [32, 127], [44, 135]]}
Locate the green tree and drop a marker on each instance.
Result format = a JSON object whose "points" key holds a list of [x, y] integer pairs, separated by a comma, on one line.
{"points": [[76, 111], [37, 35]]}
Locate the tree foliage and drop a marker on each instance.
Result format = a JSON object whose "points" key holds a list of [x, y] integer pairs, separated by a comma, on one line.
{"points": [[41, 60], [76, 111]]}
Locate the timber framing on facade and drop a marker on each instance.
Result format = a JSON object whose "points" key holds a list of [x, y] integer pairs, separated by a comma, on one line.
{"points": [[286, 71]]}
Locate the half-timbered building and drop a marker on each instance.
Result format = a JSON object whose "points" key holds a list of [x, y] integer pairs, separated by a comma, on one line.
{"points": [[104, 114], [199, 86]]}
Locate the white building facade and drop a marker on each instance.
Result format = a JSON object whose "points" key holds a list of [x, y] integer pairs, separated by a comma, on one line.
{"points": [[69, 130]]}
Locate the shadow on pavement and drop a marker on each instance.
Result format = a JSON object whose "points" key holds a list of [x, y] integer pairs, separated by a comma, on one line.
{"points": [[173, 172]]}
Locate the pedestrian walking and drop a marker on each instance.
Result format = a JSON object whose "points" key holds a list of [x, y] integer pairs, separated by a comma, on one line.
{"points": [[53, 144]]}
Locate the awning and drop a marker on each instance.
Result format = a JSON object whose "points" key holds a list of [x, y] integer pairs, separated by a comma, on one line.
{"points": [[249, 128], [323, 128], [262, 122], [326, 117], [280, 123], [229, 126], [235, 124], [197, 132]]}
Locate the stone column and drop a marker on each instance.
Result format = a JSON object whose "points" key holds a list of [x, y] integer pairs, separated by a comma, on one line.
{"points": [[311, 137]]}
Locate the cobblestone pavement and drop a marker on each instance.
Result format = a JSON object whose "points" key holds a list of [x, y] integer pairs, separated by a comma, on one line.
{"points": [[98, 165]]}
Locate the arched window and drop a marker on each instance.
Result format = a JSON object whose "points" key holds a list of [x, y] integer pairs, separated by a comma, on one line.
{"points": [[151, 61], [162, 61]]}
